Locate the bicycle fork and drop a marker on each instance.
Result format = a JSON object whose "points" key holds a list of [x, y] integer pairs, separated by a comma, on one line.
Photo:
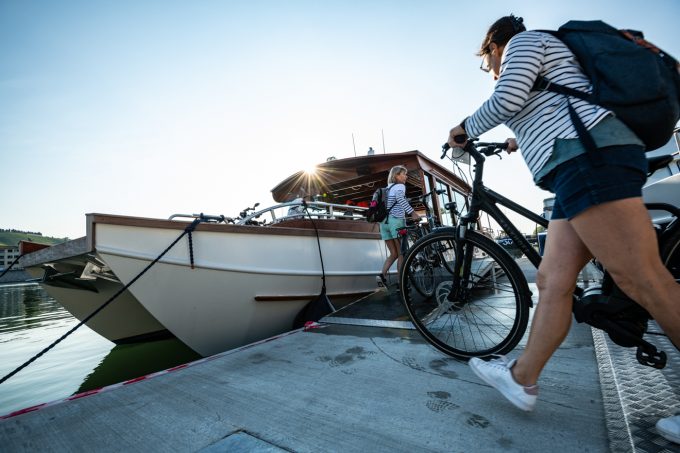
{"points": [[462, 281]]}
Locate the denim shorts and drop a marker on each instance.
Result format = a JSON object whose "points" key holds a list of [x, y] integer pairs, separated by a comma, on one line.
{"points": [[389, 230], [578, 184]]}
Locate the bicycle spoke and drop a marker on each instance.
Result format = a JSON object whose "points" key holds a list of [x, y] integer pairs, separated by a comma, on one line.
{"points": [[489, 312]]}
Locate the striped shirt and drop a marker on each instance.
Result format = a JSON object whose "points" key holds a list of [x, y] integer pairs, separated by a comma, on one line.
{"points": [[536, 118], [397, 197]]}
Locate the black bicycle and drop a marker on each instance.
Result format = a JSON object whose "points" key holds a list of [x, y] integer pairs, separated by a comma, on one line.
{"points": [[482, 307]]}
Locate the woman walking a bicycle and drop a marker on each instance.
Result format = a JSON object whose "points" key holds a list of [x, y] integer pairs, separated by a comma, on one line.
{"points": [[398, 208], [598, 209]]}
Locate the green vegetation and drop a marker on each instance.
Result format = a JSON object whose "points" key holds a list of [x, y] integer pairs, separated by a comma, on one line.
{"points": [[12, 237], [539, 229]]}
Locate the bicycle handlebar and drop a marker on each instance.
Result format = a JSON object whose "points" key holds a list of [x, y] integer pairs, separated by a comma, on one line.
{"points": [[486, 148], [429, 194], [491, 148]]}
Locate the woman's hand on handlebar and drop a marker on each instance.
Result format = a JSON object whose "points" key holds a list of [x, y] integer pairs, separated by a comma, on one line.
{"points": [[455, 136], [415, 217], [512, 145]]}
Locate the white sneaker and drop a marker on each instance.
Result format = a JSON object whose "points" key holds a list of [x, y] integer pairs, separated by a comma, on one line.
{"points": [[669, 428], [497, 374], [381, 281]]}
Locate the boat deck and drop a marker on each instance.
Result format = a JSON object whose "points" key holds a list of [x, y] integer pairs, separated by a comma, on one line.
{"points": [[360, 382]]}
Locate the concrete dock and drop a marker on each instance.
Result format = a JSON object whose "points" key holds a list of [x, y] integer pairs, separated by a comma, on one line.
{"points": [[364, 386]]}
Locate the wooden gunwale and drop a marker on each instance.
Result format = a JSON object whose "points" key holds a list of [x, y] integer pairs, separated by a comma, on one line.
{"points": [[352, 229]]}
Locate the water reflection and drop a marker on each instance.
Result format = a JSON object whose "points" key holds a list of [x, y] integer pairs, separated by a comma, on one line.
{"points": [[31, 320], [27, 306], [128, 361]]}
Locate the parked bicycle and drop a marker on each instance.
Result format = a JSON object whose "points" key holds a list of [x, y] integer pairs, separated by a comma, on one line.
{"points": [[482, 307], [424, 265]]}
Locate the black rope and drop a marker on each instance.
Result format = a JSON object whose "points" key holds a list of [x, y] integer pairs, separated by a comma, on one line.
{"points": [[191, 250], [11, 265], [318, 243], [187, 230]]}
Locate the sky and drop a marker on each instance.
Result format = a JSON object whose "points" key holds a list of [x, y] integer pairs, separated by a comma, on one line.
{"points": [[151, 108]]}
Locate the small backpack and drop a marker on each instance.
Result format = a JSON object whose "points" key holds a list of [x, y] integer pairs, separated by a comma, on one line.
{"points": [[377, 209], [633, 78]]}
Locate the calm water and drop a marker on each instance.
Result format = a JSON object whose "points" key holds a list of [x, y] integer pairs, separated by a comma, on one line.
{"points": [[30, 320]]}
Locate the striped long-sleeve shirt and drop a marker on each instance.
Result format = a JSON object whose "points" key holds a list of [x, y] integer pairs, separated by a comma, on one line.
{"points": [[537, 118], [397, 197]]}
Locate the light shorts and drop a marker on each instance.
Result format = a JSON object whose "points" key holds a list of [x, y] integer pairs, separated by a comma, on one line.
{"points": [[578, 184], [390, 229]]}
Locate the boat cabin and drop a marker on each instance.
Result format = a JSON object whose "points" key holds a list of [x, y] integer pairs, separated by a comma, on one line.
{"points": [[350, 184]]}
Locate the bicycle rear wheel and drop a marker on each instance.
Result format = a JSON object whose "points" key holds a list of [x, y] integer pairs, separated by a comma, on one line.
{"points": [[670, 254], [489, 313]]}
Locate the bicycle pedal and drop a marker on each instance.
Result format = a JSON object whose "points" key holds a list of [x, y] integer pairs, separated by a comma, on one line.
{"points": [[651, 357]]}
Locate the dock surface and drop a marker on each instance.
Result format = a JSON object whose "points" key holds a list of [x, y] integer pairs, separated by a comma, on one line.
{"points": [[364, 386]]}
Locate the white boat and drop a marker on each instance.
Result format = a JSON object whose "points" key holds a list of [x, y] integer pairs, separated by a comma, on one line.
{"points": [[248, 280]]}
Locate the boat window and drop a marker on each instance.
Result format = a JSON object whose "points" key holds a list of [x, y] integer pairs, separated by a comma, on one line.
{"points": [[461, 202], [443, 199], [428, 188], [446, 217]]}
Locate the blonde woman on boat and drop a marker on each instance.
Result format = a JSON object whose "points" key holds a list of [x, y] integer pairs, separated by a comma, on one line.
{"points": [[398, 208]]}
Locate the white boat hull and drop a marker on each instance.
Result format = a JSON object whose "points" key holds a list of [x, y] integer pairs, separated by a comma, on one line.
{"points": [[245, 285], [124, 320]]}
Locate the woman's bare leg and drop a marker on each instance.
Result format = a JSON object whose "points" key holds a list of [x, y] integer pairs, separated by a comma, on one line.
{"points": [[621, 236], [564, 257], [393, 248]]}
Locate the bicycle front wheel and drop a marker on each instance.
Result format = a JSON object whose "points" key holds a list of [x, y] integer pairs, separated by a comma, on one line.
{"points": [[486, 314]]}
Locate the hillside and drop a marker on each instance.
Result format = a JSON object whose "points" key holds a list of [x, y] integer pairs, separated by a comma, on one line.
{"points": [[13, 238]]}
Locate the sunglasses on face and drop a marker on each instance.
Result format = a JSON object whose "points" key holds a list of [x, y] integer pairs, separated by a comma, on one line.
{"points": [[486, 63]]}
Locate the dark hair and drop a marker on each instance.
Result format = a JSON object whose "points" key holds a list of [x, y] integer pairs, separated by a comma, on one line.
{"points": [[501, 31]]}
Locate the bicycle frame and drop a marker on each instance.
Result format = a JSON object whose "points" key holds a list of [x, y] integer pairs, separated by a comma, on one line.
{"points": [[485, 199]]}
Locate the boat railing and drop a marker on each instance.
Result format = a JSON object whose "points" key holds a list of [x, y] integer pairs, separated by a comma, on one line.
{"points": [[314, 209], [287, 211]]}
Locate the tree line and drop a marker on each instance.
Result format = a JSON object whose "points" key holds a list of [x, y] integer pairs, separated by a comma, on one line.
{"points": [[12, 230]]}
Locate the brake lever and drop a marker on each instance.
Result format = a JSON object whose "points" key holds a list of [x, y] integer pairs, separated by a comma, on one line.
{"points": [[460, 139], [445, 148]]}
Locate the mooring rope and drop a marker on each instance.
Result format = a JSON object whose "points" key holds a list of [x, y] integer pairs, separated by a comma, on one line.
{"points": [[318, 243], [191, 250], [11, 265], [187, 230]]}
